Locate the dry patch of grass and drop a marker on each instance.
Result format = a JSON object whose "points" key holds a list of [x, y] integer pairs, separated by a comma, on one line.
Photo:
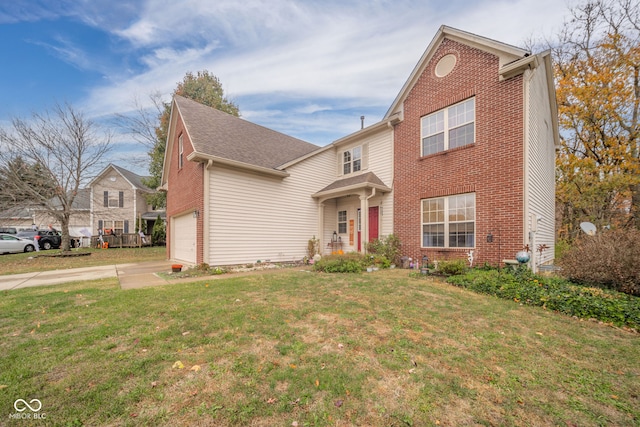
{"points": [[316, 349], [45, 260]]}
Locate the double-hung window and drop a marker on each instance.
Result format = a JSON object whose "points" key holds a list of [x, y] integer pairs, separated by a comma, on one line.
{"points": [[342, 222], [449, 128], [352, 160], [114, 199], [449, 222]]}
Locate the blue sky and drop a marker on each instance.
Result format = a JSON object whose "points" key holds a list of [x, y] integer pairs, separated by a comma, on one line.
{"points": [[306, 68]]}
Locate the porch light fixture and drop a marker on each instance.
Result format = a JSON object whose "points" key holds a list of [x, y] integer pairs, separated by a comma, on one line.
{"points": [[335, 237], [489, 238], [196, 213]]}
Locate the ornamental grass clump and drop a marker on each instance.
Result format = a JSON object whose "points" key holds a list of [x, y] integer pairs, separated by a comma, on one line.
{"points": [[555, 294]]}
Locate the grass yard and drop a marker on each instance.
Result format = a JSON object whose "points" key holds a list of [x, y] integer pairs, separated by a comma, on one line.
{"points": [[45, 260], [298, 348]]}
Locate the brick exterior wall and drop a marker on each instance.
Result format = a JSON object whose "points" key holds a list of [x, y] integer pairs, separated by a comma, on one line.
{"points": [[186, 189], [492, 167]]}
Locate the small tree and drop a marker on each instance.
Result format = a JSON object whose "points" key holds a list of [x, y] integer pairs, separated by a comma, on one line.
{"points": [[159, 232], [59, 151]]}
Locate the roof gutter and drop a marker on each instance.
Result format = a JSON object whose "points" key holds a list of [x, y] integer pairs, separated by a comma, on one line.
{"points": [[348, 189], [200, 157], [518, 67]]}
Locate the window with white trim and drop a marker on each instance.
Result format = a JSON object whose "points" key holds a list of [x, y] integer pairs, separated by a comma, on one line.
{"points": [[352, 160], [449, 128], [116, 226], [342, 222], [449, 222], [180, 152], [113, 199]]}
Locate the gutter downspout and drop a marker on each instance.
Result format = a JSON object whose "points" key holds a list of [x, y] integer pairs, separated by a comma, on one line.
{"points": [[205, 212], [365, 214]]}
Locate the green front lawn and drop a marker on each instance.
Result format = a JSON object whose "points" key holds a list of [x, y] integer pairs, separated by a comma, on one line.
{"points": [[46, 260], [301, 348]]}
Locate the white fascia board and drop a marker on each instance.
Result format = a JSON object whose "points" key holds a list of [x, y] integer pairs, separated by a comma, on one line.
{"points": [[195, 156]]}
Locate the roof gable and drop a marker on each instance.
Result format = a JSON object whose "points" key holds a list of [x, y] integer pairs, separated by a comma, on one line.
{"points": [[506, 54], [134, 179], [218, 134]]}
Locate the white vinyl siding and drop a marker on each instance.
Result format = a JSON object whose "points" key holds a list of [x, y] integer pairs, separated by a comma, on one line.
{"points": [[540, 172], [183, 236], [256, 217], [380, 158]]}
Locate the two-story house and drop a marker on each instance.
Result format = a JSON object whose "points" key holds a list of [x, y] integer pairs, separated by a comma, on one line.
{"points": [[118, 202], [474, 153], [238, 192], [463, 161]]}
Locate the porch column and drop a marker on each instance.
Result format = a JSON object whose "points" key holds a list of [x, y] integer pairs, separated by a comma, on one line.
{"points": [[320, 234], [364, 222]]}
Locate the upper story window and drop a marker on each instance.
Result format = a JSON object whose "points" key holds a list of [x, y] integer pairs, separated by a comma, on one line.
{"points": [[449, 222], [449, 128], [352, 160], [114, 199], [180, 152]]}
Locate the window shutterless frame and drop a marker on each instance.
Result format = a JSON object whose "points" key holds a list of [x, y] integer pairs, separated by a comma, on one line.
{"points": [[448, 128], [449, 222]]}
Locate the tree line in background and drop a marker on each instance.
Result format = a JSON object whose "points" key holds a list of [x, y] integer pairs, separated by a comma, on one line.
{"points": [[597, 74], [597, 71]]}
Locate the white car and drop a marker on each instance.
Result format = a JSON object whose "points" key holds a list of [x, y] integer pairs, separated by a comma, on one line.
{"points": [[11, 244]]}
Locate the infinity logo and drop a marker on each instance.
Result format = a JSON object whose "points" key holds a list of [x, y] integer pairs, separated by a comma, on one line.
{"points": [[35, 408]]}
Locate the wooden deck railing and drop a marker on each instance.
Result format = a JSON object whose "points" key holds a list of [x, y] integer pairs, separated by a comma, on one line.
{"points": [[125, 240]]}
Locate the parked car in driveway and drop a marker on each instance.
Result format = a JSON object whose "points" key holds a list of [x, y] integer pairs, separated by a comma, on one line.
{"points": [[47, 239], [10, 244]]}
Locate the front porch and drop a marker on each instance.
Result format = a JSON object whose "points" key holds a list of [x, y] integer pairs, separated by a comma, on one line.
{"points": [[342, 227]]}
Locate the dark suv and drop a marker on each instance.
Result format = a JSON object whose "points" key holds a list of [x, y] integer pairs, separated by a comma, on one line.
{"points": [[47, 239]]}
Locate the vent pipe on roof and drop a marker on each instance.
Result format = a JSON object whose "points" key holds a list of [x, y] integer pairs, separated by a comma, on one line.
{"points": [[361, 122]]}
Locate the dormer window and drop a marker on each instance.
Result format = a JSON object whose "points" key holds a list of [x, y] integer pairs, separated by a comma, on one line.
{"points": [[352, 160]]}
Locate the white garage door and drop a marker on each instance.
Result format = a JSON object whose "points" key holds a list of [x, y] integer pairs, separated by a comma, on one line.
{"points": [[184, 238]]}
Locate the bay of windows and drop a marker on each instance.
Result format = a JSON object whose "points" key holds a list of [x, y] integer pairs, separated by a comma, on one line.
{"points": [[449, 222], [449, 128]]}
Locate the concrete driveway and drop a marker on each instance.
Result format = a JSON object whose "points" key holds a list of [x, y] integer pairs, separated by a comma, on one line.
{"points": [[131, 276]]}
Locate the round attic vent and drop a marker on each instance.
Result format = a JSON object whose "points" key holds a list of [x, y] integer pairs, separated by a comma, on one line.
{"points": [[445, 65]]}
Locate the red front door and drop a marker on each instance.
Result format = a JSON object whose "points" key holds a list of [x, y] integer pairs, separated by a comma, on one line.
{"points": [[373, 223]]}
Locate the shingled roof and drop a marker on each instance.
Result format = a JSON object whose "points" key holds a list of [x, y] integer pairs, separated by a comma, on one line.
{"points": [[365, 180], [215, 133], [134, 179]]}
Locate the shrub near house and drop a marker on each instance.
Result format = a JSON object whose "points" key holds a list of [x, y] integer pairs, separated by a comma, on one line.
{"points": [[555, 294]]}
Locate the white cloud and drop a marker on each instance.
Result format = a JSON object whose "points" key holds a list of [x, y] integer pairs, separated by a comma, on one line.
{"points": [[302, 67]]}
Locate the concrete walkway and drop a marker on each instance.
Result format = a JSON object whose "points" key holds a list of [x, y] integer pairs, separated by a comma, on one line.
{"points": [[130, 275]]}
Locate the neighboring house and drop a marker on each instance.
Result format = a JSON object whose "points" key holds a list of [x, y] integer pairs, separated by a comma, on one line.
{"points": [[23, 218], [118, 202], [464, 155], [18, 217]]}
